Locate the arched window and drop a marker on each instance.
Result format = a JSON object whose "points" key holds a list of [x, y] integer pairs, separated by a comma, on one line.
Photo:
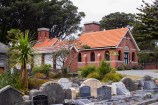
{"points": [[92, 56], [119, 55], [79, 57], [107, 55], [133, 56]]}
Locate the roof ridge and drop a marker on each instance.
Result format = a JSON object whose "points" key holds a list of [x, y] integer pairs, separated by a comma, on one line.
{"points": [[104, 30]]}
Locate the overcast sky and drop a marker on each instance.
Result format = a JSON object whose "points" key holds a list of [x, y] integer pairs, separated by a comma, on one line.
{"points": [[96, 9]]}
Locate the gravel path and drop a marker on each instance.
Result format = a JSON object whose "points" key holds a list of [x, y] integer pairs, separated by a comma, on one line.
{"points": [[140, 73]]}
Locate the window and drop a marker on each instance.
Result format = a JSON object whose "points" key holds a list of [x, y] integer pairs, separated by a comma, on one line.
{"points": [[107, 55], [79, 57], [119, 55], [133, 56], [92, 56]]}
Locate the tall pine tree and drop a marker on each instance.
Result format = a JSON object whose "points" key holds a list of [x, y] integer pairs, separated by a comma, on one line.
{"points": [[146, 29]]}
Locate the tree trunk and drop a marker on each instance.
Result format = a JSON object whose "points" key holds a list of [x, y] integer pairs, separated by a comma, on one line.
{"points": [[24, 77]]}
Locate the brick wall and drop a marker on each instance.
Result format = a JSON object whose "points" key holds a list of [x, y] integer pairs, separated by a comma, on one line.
{"points": [[100, 55]]}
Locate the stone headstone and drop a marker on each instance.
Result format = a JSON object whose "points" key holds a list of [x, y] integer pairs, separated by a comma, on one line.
{"points": [[28, 102], [65, 83], [33, 93], [93, 84], [40, 100], [104, 93], [129, 84], [149, 85], [68, 94], [147, 78], [73, 93], [119, 88], [10, 96], [76, 81], [85, 91], [54, 92]]}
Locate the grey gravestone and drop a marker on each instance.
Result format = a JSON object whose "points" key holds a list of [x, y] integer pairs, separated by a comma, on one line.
{"points": [[28, 102], [93, 84], [10, 96], [76, 81], [129, 84], [121, 89], [85, 91], [40, 100], [65, 83], [33, 93], [149, 85], [68, 94], [54, 92], [104, 93], [147, 78]]}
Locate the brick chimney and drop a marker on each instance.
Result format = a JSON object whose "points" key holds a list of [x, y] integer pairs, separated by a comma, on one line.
{"points": [[43, 33], [91, 27]]}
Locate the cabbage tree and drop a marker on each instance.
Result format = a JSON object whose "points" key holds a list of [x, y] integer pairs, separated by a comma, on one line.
{"points": [[21, 53]]}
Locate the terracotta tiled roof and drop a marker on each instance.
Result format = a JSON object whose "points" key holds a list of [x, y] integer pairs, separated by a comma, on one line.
{"points": [[46, 43], [51, 48], [107, 38]]}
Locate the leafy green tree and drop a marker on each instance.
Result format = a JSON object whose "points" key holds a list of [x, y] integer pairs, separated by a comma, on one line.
{"points": [[117, 20], [146, 29], [21, 53], [61, 16]]}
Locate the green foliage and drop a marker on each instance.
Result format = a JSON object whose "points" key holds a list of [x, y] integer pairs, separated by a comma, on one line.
{"points": [[85, 71], [104, 72], [124, 67], [86, 47], [60, 15], [112, 76], [55, 75], [35, 83], [117, 20], [65, 71], [21, 53], [40, 76], [21, 50], [103, 69], [93, 75], [10, 79], [146, 29], [42, 69]]}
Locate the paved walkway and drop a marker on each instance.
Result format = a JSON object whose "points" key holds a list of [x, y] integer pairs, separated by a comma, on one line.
{"points": [[140, 73]]}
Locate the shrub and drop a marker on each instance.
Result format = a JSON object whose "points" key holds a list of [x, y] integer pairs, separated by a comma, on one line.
{"points": [[10, 79], [85, 71], [103, 69], [40, 76], [137, 67], [35, 83], [112, 76], [55, 75], [73, 75], [42, 69], [65, 71], [93, 75], [124, 67]]}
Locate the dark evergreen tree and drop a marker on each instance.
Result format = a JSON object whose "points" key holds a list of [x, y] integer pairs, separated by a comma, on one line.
{"points": [[146, 29], [61, 16], [117, 20]]}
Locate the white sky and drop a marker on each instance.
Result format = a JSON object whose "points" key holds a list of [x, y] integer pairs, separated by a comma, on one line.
{"points": [[96, 9]]}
